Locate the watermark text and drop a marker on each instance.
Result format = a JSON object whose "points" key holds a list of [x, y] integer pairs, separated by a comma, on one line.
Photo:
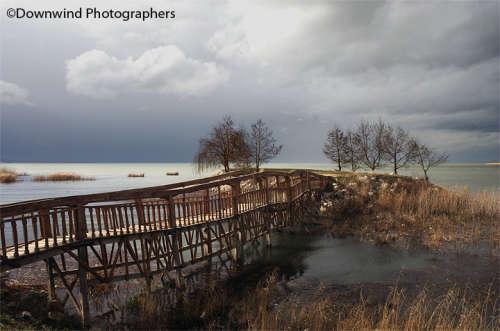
{"points": [[90, 13]]}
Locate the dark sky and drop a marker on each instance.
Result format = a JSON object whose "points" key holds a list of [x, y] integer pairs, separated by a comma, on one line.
{"points": [[110, 91]]}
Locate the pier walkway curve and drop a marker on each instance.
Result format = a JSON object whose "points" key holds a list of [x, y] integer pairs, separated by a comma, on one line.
{"points": [[122, 235]]}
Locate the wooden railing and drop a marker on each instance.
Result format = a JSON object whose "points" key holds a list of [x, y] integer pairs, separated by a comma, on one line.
{"points": [[34, 230]]}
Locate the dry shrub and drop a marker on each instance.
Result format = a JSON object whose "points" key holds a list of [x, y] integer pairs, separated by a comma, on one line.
{"points": [[61, 176]]}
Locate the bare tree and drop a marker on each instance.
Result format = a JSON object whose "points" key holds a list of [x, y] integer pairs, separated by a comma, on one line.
{"points": [[224, 146], [262, 144], [428, 158], [335, 147], [398, 147], [352, 150], [370, 138]]}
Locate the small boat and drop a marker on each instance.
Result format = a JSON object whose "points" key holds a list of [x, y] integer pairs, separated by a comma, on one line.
{"points": [[172, 173]]}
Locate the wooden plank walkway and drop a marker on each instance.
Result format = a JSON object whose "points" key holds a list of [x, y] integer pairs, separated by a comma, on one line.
{"points": [[44, 244]]}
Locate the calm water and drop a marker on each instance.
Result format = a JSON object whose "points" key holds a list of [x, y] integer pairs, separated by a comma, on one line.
{"points": [[113, 176], [342, 261]]}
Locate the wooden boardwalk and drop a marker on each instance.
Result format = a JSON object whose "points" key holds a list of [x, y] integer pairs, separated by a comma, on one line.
{"points": [[101, 238]]}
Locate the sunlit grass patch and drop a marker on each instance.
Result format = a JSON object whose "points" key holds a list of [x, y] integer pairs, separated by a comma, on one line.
{"points": [[7, 175]]}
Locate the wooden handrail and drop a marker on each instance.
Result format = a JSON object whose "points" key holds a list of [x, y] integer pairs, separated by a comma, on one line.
{"points": [[39, 225], [8, 210]]}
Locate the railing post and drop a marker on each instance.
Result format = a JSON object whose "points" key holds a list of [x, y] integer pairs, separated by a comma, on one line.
{"points": [[139, 208], [45, 228], [235, 194], [175, 241], [206, 206], [269, 225], [81, 223], [81, 234], [184, 207], [171, 212], [220, 204], [289, 196], [308, 179]]}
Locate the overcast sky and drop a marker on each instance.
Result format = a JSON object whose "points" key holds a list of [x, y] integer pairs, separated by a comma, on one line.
{"points": [[108, 91]]}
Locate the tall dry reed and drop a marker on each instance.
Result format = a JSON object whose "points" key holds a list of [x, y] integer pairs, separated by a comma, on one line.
{"points": [[61, 176], [404, 208], [457, 309]]}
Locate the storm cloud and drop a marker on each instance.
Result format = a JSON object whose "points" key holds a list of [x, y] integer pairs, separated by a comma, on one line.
{"points": [[142, 87]]}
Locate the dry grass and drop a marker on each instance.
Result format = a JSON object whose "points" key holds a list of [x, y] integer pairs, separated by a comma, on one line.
{"points": [[265, 307], [61, 176], [7, 176], [457, 309], [133, 175], [406, 208], [447, 215]]}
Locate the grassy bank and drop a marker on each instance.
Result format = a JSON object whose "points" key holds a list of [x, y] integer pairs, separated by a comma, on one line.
{"points": [[404, 210]]}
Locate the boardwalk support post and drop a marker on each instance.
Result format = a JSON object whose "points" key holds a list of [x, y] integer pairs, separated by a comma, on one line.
{"points": [[237, 249], [51, 287], [82, 260], [207, 242]]}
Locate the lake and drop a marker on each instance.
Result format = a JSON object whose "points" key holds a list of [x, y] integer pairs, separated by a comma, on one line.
{"points": [[113, 176]]}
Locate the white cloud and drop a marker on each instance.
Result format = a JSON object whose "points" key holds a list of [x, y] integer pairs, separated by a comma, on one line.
{"points": [[163, 69], [12, 94]]}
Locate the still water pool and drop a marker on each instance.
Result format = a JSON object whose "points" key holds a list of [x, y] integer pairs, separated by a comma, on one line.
{"points": [[341, 260]]}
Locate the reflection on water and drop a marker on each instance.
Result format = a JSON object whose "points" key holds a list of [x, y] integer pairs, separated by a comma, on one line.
{"points": [[340, 261], [113, 176]]}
